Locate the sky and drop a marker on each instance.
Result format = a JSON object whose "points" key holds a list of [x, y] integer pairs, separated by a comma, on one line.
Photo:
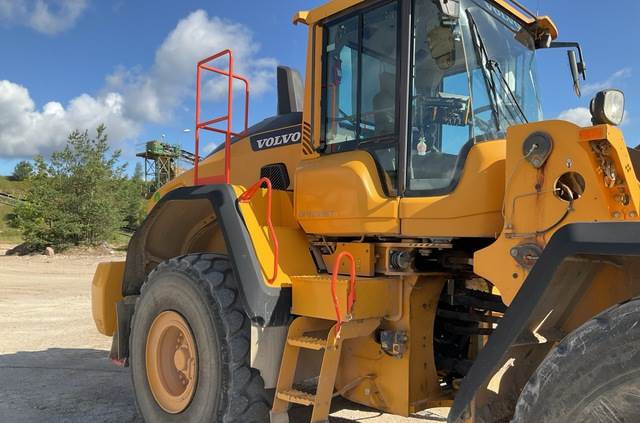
{"points": [[73, 64]]}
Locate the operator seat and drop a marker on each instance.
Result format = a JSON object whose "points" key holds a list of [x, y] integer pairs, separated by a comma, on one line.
{"points": [[384, 105]]}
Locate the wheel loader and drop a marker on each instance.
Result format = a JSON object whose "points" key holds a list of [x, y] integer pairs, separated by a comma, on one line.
{"points": [[406, 232]]}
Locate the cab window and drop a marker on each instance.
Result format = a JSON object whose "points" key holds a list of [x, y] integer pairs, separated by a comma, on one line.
{"points": [[360, 107], [440, 104]]}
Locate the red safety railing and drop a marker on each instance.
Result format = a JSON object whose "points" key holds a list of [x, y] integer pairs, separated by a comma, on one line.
{"points": [[228, 133], [245, 197], [351, 296]]}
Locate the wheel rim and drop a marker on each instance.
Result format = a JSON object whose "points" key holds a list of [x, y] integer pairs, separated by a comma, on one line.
{"points": [[171, 362]]}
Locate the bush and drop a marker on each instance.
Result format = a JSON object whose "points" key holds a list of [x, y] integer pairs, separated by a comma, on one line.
{"points": [[80, 196]]}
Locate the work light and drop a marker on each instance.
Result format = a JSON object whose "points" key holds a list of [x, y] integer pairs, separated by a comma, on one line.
{"points": [[607, 107]]}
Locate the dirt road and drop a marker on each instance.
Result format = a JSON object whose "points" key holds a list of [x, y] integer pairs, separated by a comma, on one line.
{"points": [[53, 365]]}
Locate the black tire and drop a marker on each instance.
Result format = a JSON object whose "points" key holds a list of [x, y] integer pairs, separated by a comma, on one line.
{"points": [[202, 289], [593, 375]]}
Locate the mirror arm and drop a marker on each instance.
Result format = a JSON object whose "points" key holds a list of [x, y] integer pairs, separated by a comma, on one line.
{"points": [[582, 67]]}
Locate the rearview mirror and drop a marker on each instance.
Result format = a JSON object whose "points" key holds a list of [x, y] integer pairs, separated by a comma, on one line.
{"points": [[576, 64], [573, 66], [450, 8]]}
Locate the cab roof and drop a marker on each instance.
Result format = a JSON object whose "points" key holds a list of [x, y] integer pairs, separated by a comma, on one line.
{"points": [[512, 7]]}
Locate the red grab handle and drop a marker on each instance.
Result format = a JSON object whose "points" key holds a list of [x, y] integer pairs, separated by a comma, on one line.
{"points": [[351, 297]]}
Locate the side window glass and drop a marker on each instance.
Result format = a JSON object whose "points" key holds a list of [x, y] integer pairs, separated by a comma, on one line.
{"points": [[341, 88], [379, 62], [454, 136], [360, 106]]}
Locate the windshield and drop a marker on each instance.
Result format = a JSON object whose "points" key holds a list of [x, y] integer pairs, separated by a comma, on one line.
{"points": [[471, 78], [500, 60]]}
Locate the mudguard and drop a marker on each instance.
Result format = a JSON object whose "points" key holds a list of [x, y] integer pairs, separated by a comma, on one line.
{"points": [[265, 305], [547, 295]]}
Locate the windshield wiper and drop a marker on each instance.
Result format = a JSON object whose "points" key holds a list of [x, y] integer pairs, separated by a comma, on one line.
{"points": [[483, 56], [492, 67]]}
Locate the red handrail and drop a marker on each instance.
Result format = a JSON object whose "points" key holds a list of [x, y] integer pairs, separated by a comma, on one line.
{"points": [[206, 125], [351, 297], [245, 197]]}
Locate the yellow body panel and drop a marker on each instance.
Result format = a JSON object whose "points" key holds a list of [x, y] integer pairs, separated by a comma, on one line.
{"points": [[294, 257], [375, 297], [363, 254], [530, 211], [472, 209], [400, 385], [341, 194], [106, 291], [245, 166]]}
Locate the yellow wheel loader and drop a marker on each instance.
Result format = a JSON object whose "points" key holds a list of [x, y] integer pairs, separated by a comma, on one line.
{"points": [[407, 232]]}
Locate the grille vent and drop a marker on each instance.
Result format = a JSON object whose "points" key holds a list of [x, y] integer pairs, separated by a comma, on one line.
{"points": [[277, 174], [307, 146]]}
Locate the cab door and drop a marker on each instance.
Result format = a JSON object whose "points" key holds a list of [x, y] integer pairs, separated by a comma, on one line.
{"points": [[351, 186], [454, 183]]}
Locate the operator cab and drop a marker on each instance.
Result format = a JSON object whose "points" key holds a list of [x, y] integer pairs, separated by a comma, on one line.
{"points": [[415, 85], [469, 79]]}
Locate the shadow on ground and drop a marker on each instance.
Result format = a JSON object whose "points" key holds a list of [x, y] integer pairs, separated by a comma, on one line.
{"points": [[82, 385], [64, 385]]}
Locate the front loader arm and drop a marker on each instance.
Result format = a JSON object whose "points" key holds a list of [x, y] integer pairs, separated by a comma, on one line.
{"points": [[578, 258], [565, 253]]}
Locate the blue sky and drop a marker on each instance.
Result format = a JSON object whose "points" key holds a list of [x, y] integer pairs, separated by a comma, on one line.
{"points": [[131, 64]]}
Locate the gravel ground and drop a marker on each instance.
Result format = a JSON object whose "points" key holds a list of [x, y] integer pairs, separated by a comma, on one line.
{"points": [[53, 365]]}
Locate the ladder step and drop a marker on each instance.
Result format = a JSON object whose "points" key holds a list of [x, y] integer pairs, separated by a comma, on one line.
{"points": [[297, 397], [308, 342]]}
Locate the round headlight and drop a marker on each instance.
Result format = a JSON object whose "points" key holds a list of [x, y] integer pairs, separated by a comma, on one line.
{"points": [[607, 107]]}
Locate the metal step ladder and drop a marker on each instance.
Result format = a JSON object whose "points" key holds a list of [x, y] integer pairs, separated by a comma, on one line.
{"points": [[303, 334]]}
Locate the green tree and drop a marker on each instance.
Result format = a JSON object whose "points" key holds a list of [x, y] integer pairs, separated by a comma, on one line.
{"points": [[77, 196], [134, 199], [22, 171]]}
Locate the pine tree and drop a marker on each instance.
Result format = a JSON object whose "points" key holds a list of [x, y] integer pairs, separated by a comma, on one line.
{"points": [[22, 171], [80, 196]]}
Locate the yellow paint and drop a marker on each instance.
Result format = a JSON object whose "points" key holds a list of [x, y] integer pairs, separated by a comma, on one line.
{"points": [[294, 256], [376, 297], [363, 254], [401, 385], [245, 165], [330, 8], [106, 291], [302, 335], [301, 17], [341, 194], [472, 209], [611, 284], [529, 211]]}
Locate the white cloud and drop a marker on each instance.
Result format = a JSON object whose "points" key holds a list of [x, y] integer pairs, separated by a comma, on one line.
{"points": [[25, 131], [49, 17], [154, 95], [579, 115], [612, 81], [582, 116], [132, 96]]}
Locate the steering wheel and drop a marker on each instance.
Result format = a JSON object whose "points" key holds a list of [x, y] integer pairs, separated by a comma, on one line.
{"points": [[344, 117]]}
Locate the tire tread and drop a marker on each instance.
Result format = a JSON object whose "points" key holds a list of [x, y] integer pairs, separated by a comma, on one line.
{"points": [[244, 397]]}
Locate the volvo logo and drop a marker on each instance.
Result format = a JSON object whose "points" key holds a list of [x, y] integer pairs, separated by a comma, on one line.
{"points": [[277, 138]]}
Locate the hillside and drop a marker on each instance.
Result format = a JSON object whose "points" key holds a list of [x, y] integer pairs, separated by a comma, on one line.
{"points": [[8, 234]]}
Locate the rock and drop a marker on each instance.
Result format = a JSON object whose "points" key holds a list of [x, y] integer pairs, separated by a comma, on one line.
{"points": [[20, 250], [49, 252]]}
